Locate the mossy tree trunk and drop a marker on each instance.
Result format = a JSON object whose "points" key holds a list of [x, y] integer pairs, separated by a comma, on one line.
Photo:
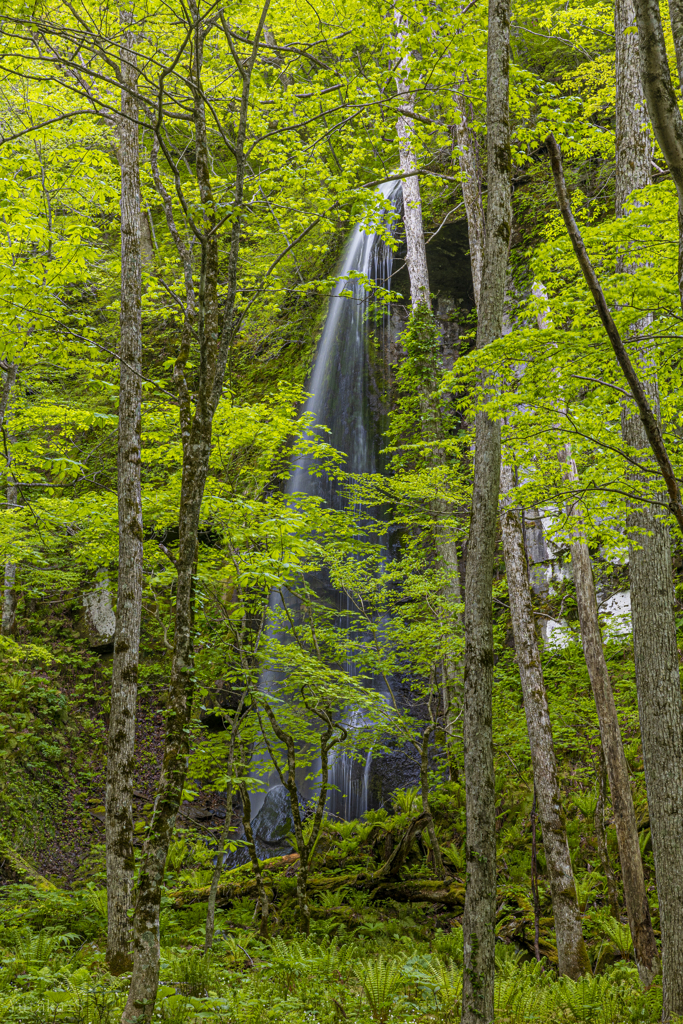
{"points": [[124, 684], [572, 957], [480, 898]]}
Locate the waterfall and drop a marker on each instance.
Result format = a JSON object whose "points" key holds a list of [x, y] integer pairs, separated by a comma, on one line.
{"points": [[341, 384], [345, 399]]}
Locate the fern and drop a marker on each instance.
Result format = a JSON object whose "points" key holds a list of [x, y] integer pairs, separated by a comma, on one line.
{"points": [[381, 979], [619, 935], [456, 855], [406, 800], [97, 901]]}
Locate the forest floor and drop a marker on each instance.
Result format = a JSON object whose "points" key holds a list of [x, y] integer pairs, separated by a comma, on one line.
{"points": [[389, 952]]}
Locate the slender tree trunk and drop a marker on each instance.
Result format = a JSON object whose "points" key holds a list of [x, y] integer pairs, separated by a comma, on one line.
{"points": [[662, 102], [416, 258], [9, 603], [426, 809], [534, 881], [480, 895], [599, 822], [214, 331], [251, 846], [225, 831], [635, 895], [470, 171], [661, 717], [633, 162], [305, 848], [572, 958], [124, 684]]}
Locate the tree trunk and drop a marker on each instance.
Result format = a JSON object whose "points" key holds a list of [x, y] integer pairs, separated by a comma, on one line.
{"points": [[599, 823], [215, 326], [572, 958], [635, 895], [416, 258], [9, 603], [662, 103], [534, 881], [676, 19], [251, 846], [633, 157], [124, 684], [632, 136], [470, 171], [426, 809], [480, 900], [661, 718]]}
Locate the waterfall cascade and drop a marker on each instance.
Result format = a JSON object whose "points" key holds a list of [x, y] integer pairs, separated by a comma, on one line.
{"points": [[345, 399]]}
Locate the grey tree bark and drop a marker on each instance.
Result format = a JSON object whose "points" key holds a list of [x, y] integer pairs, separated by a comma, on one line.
{"points": [[416, 258], [470, 170], [480, 895], [661, 720], [9, 602], [225, 831], [676, 19], [124, 685], [661, 98], [572, 957], [215, 321], [635, 894], [632, 136], [633, 162], [263, 901]]}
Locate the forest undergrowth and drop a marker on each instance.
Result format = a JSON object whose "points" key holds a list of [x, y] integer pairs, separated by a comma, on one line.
{"points": [[379, 950]]}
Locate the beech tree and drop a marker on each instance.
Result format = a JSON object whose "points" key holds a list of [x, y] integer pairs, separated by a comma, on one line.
{"points": [[479, 913], [121, 745]]}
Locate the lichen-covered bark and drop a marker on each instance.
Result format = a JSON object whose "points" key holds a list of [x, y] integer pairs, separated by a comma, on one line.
{"points": [[635, 894], [215, 327], [263, 901], [661, 717], [9, 601], [416, 257], [121, 739], [479, 913], [470, 171], [632, 172], [632, 135], [662, 103], [572, 957]]}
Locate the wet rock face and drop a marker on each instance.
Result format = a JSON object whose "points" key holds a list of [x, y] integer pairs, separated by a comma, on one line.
{"points": [[395, 769]]}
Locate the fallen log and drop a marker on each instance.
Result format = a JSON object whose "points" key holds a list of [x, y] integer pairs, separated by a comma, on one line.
{"points": [[419, 890]]}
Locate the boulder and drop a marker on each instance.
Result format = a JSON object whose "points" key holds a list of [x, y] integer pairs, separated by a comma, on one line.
{"points": [[273, 824], [100, 619]]}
